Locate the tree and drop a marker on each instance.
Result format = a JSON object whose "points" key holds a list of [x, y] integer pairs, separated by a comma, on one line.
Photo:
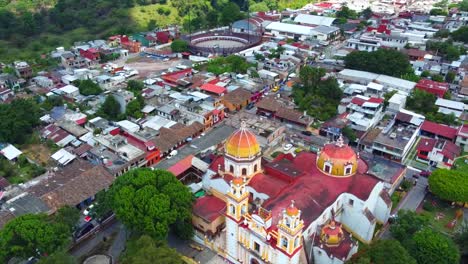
{"points": [[438, 12], [461, 34], [31, 235], [461, 238], [366, 13], [347, 13], [442, 33], [349, 133], [68, 216], [450, 77], [406, 224], [58, 257], [437, 78], [421, 101], [464, 5], [134, 109], [430, 247], [259, 7], [110, 108], [425, 74], [382, 61], [18, 120], [51, 102], [135, 85], [151, 202], [179, 45], [384, 251], [88, 87], [451, 185], [145, 250], [230, 13]]}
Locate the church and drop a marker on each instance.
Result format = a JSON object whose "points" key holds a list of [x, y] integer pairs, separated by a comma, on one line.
{"points": [[296, 208]]}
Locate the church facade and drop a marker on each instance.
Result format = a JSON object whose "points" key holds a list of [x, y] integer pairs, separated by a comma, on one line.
{"points": [[295, 208]]}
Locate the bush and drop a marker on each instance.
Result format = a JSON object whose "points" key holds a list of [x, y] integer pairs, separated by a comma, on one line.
{"points": [[428, 206], [406, 185]]}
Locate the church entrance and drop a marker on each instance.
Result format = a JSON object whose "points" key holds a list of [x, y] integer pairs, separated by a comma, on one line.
{"points": [[254, 261]]}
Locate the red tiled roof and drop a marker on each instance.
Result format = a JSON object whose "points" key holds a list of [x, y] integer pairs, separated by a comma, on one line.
{"points": [[174, 76], [267, 184], [212, 88], [181, 166], [438, 129], [375, 100], [437, 88], [450, 150], [209, 208], [360, 101], [426, 144], [463, 130]]}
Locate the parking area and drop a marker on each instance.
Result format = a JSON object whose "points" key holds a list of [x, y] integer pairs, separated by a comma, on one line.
{"points": [[215, 136]]}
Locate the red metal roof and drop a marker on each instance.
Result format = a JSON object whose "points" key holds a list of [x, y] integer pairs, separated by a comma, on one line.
{"points": [[360, 101], [433, 87], [181, 166], [174, 76], [209, 208], [212, 88], [463, 129], [426, 144], [438, 129]]}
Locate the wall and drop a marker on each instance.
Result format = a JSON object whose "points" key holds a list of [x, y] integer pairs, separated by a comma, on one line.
{"points": [[201, 224]]}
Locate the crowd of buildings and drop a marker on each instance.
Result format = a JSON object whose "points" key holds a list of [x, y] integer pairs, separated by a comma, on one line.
{"points": [[288, 209]]}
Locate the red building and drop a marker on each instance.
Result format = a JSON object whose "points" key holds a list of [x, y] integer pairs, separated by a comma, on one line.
{"points": [[440, 153], [91, 54], [435, 130], [436, 88]]}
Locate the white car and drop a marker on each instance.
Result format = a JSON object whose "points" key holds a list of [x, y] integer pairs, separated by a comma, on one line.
{"points": [[88, 210], [287, 147]]}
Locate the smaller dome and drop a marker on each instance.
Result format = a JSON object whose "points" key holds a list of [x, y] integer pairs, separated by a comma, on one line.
{"points": [[242, 144], [332, 234], [337, 159], [292, 209], [238, 181]]}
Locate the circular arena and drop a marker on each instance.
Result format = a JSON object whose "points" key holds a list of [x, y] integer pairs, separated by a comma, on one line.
{"points": [[220, 42]]}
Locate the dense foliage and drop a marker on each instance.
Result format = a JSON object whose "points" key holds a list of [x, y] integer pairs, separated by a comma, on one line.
{"points": [[384, 251], [18, 120], [152, 202], [88, 87], [231, 63], [383, 61], [316, 95], [32, 235], [431, 247], [424, 103], [110, 109], [461, 34], [446, 49], [179, 45], [451, 185], [407, 224], [59, 257], [135, 106], [145, 250]]}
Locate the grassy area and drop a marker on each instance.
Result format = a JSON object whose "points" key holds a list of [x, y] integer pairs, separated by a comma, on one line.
{"points": [[441, 213], [162, 15], [21, 171], [396, 198], [462, 163]]}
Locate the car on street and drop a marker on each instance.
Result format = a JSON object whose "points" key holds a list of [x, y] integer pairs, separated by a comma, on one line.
{"points": [[287, 147], [307, 133], [425, 173], [88, 210]]}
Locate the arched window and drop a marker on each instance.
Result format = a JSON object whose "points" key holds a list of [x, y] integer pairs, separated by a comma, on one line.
{"points": [[288, 222], [244, 171], [255, 167], [327, 168], [231, 169], [284, 242], [233, 209], [348, 169]]}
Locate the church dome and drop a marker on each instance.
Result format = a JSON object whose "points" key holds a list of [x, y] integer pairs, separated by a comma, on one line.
{"points": [[337, 159], [242, 144], [332, 234]]}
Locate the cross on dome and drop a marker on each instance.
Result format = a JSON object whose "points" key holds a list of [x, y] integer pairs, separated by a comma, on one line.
{"points": [[340, 141]]}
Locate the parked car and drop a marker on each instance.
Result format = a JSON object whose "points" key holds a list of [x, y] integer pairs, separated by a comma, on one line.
{"points": [[307, 133], [425, 173], [88, 210], [287, 147], [172, 154]]}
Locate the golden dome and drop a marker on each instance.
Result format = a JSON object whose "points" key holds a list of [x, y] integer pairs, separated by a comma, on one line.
{"points": [[292, 209], [331, 234], [337, 159], [242, 144]]}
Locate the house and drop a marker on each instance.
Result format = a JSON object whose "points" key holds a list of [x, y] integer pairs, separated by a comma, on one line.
{"points": [[438, 131], [437, 152], [397, 136], [462, 137], [10, 152], [90, 54], [208, 215], [396, 102], [313, 20], [23, 70], [59, 136], [272, 108], [291, 31], [69, 91], [364, 112], [213, 89], [436, 88], [237, 99], [450, 107]]}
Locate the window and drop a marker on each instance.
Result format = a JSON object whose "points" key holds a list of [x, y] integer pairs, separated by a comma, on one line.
{"points": [[284, 242], [288, 222], [348, 169], [351, 202], [231, 169], [244, 171], [255, 167], [256, 247], [233, 209], [327, 168], [244, 209]]}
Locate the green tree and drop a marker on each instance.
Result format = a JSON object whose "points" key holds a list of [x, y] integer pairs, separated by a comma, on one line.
{"points": [[451, 185], [88, 87], [382, 61], [366, 13], [151, 202], [145, 250], [406, 224], [464, 5], [230, 13], [68, 216], [179, 45], [51, 102], [347, 13], [260, 6], [442, 33], [425, 74], [58, 257], [450, 76], [110, 108], [438, 12], [421, 101], [18, 120], [31, 235], [384, 251], [437, 78], [135, 86], [461, 34], [134, 109], [431, 247], [349, 133]]}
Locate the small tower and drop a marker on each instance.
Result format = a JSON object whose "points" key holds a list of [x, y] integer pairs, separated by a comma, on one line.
{"points": [[237, 205], [290, 235]]}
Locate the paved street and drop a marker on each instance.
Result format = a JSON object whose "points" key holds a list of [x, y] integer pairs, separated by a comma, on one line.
{"points": [[213, 137]]}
